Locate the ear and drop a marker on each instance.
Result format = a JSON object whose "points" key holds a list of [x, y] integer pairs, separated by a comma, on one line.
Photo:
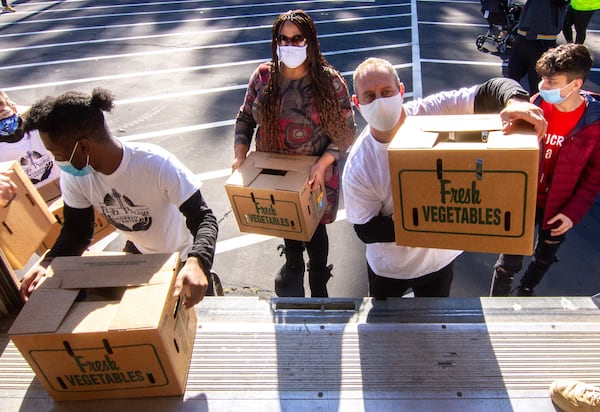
{"points": [[579, 83], [85, 144], [355, 101], [401, 89]]}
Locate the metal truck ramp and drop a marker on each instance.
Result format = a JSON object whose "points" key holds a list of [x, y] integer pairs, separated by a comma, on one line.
{"points": [[425, 354]]}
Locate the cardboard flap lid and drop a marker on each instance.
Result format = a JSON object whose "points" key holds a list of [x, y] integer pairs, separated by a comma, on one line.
{"points": [[44, 311], [111, 270], [422, 132], [290, 163], [140, 307], [458, 123], [260, 170], [499, 140], [415, 139]]}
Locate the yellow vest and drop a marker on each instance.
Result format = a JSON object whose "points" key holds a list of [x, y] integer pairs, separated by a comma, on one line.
{"points": [[585, 5]]}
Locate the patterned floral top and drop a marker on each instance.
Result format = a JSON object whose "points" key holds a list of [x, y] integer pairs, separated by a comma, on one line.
{"points": [[300, 124]]}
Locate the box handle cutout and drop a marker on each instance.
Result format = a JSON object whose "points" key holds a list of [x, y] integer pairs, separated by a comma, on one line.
{"points": [[28, 196], [10, 200], [479, 169], [274, 172], [439, 169], [176, 309], [61, 382], [7, 227], [507, 221], [68, 348], [415, 216], [107, 346], [252, 197], [150, 377], [176, 345], [272, 200]]}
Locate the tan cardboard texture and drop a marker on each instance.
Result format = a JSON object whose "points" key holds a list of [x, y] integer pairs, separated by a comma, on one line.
{"points": [[25, 221], [101, 226], [114, 331], [270, 195], [459, 183]]}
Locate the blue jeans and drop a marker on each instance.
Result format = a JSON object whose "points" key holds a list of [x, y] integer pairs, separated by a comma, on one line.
{"points": [[544, 256]]}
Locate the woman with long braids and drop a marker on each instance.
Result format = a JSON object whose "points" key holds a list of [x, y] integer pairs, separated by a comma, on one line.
{"points": [[301, 105]]}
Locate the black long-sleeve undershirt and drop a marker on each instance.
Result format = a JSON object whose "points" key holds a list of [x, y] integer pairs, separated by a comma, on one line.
{"points": [[78, 230]]}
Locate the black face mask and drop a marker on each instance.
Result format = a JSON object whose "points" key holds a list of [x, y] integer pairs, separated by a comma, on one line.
{"points": [[17, 134]]}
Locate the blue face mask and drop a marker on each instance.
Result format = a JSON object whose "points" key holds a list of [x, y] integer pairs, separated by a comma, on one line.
{"points": [[553, 96], [9, 125], [67, 167]]}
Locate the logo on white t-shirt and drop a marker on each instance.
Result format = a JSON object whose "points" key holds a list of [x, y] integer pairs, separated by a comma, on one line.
{"points": [[124, 214], [37, 166]]}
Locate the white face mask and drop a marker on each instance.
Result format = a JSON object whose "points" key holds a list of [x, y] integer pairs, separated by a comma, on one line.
{"points": [[382, 114], [292, 56]]}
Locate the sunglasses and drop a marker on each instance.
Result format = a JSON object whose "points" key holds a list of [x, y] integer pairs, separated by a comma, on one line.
{"points": [[298, 40]]}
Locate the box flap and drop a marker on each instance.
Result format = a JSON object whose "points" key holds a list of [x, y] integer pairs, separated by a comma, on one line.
{"points": [[243, 176], [44, 311], [276, 161], [141, 307], [292, 181], [89, 316], [413, 139], [113, 271], [445, 132], [499, 140], [458, 123]]}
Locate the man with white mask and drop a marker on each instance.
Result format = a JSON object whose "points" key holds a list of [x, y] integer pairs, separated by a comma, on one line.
{"points": [[379, 95]]}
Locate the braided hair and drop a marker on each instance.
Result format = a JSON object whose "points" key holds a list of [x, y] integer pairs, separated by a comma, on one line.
{"points": [[320, 71]]}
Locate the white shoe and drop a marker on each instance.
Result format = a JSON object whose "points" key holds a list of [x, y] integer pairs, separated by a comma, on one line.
{"points": [[574, 396]]}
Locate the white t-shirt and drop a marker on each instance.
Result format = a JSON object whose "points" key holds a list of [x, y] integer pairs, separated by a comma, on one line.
{"points": [[368, 192], [141, 198], [36, 161]]}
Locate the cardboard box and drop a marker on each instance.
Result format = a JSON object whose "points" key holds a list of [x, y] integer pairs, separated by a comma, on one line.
{"points": [[459, 183], [270, 195], [101, 226], [115, 330], [25, 221], [50, 191], [10, 299]]}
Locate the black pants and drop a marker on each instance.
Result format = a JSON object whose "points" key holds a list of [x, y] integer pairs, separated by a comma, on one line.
{"points": [[436, 284], [317, 248], [544, 256], [579, 19], [524, 56]]}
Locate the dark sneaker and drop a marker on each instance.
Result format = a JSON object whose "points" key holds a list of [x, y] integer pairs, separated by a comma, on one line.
{"points": [[574, 396], [289, 282], [523, 291], [501, 283]]}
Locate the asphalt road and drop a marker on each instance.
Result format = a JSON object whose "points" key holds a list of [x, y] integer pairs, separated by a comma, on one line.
{"points": [[179, 70]]}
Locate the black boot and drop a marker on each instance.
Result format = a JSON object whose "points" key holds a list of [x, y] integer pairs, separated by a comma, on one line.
{"points": [[501, 283], [289, 281], [317, 279]]}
